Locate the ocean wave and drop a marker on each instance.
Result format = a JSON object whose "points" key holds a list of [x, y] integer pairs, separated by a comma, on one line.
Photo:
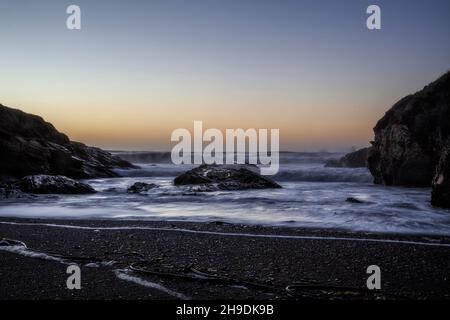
{"points": [[287, 172], [144, 156], [156, 157], [325, 175]]}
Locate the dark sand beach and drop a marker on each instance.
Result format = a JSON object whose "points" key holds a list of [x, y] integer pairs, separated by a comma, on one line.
{"points": [[257, 262]]}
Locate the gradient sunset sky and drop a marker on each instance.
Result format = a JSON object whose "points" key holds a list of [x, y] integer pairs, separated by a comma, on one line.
{"points": [[139, 69]]}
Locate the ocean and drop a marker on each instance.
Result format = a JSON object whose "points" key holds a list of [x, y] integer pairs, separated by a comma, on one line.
{"points": [[313, 196]]}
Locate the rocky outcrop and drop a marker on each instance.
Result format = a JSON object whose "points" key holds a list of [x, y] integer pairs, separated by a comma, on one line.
{"points": [[225, 177], [356, 159], [140, 187], [9, 190], [354, 200], [29, 146], [440, 195], [409, 146], [44, 184]]}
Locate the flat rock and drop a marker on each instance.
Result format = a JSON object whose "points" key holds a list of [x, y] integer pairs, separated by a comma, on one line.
{"points": [[45, 184], [225, 177]]}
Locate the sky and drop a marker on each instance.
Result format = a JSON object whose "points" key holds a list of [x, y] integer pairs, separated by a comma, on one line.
{"points": [[137, 70]]}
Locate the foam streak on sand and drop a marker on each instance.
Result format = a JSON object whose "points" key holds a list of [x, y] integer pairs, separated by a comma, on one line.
{"points": [[233, 234], [20, 248], [123, 274]]}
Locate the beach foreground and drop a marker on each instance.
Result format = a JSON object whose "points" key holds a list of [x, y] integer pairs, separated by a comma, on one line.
{"points": [[184, 260]]}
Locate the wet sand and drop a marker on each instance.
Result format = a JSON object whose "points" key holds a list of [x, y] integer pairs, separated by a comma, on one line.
{"points": [[248, 262]]}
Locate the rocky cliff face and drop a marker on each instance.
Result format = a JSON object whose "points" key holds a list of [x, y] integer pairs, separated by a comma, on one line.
{"points": [[29, 146], [440, 195], [411, 139]]}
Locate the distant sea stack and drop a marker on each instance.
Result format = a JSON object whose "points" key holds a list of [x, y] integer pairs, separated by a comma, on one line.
{"points": [[356, 159], [31, 146], [412, 142]]}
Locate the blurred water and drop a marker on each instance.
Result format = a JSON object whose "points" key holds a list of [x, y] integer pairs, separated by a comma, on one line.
{"points": [[312, 196]]}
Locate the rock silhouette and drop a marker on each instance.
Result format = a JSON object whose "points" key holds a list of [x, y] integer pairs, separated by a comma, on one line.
{"points": [[440, 195], [356, 159], [411, 142], [139, 187], [44, 184], [30, 146], [225, 177]]}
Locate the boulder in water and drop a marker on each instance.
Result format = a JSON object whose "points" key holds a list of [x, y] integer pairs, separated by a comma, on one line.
{"points": [[353, 200], [44, 184], [225, 177], [139, 187]]}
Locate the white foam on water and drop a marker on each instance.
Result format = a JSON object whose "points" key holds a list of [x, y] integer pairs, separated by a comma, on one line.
{"points": [[92, 265], [304, 204], [123, 274], [313, 196]]}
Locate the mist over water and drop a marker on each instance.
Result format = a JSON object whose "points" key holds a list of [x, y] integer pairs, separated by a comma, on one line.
{"points": [[312, 196]]}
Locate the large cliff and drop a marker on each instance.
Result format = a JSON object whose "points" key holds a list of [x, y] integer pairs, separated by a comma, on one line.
{"points": [[29, 145], [411, 140]]}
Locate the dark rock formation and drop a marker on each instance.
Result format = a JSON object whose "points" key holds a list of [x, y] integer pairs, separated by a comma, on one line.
{"points": [[225, 177], [410, 141], [411, 135], [29, 145], [357, 159], [353, 200], [440, 195], [9, 190], [139, 187], [44, 184]]}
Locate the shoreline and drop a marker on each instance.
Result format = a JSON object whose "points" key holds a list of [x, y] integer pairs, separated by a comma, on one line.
{"points": [[262, 261]]}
